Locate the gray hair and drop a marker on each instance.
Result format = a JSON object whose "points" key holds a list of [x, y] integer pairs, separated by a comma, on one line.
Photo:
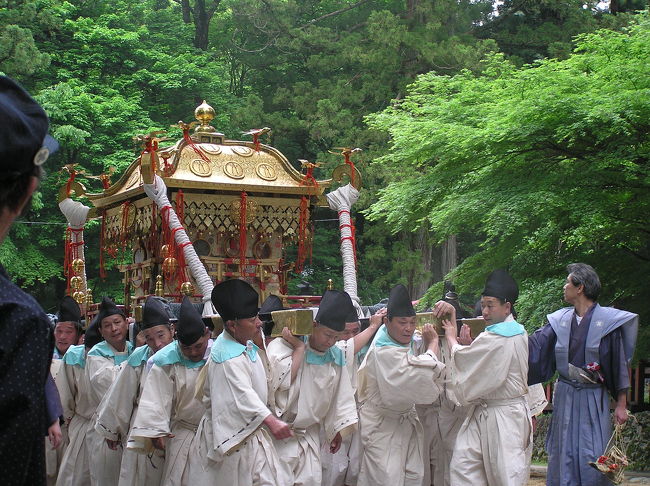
{"points": [[583, 274]]}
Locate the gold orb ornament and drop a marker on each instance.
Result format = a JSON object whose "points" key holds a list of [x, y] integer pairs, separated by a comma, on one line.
{"points": [[79, 296], [187, 288], [169, 265], [164, 251], [76, 282], [77, 265]]}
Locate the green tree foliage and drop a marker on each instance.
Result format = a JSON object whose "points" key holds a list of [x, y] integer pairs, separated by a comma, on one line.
{"points": [[311, 70], [542, 165]]}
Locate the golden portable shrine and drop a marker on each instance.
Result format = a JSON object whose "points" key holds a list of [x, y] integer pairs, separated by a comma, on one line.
{"points": [[184, 217]]}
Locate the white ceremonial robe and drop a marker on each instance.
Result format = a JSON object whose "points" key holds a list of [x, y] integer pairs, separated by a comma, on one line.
{"points": [[320, 395], [441, 421], [103, 364], [168, 406], [78, 409], [231, 447], [342, 467], [490, 377], [392, 380], [115, 416], [53, 457]]}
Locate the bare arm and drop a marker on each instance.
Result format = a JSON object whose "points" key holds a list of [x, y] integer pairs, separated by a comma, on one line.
{"points": [[620, 413], [361, 339]]}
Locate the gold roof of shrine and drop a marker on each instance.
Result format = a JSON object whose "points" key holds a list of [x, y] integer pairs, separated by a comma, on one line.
{"points": [[223, 165]]}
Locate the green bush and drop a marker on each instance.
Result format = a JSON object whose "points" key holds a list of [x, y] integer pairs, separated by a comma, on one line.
{"points": [[636, 434]]}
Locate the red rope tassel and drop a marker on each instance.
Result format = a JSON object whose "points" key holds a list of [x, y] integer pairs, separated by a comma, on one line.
{"points": [[302, 230], [71, 253], [126, 207], [102, 249], [180, 206], [243, 237], [190, 142], [153, 238], [68, 184], [310, 180], [182, 264], [106, 181], [349, 162]]}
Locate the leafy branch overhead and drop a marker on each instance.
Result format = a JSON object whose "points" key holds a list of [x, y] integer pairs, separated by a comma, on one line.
{"points": [[545, 164]]}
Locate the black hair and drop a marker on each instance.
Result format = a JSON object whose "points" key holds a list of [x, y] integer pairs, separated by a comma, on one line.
{"points": [[585, 275], [14, 186]]}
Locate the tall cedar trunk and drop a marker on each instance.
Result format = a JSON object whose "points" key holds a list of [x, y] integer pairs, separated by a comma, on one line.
{"points": [[201, 25], [186, 10], [614, 6], [420, 276], [449, 258]]}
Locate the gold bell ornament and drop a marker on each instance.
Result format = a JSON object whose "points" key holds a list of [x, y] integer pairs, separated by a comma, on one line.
{"points": [[187, 288], [170, 265], [79, 297], [77, 265], [76, 282]]}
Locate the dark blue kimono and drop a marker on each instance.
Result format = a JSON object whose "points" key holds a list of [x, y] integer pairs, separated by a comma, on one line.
{"points": [[25, 353], [581, 423]]}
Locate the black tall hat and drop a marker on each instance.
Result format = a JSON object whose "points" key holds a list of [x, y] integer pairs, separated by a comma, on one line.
{"points": [[335, 306], [502, 286], [271, 304], [154, 314], [352, 316], [190, 327], [92, 335], [235, 299], [69, 310], [108, 308], [399, 302]]}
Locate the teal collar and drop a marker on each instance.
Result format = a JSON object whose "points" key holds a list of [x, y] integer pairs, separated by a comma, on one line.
{"points": [[506, 328], [139, 356], [225, 348], [105, 350], [75, 356], [333, 355], [382, 338], [171, 354]]}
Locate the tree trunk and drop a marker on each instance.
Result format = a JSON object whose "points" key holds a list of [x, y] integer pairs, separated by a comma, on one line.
{"points": [[449, 258], [420, 276], [186, 10], [201, 25]]}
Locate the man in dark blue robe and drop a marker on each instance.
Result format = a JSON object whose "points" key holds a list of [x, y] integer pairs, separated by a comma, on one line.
{"points": [[25, 339], [590, 347]]}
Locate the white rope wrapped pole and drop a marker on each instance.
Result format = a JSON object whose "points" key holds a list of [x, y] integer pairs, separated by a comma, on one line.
{"points": [[158, 194], [76, 214], [341, 201]]}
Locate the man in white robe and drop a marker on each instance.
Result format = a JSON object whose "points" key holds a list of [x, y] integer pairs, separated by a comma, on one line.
{"points": [[311, 387], [392, 379], [233, 446], [341, 468], [102, 366], [78, 409], [119, 407], [169, 413], [490, 376], [67, 332]]}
